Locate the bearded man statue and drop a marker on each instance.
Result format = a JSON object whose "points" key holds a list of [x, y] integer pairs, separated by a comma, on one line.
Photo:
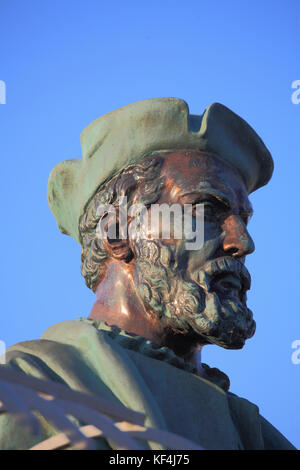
{"points": [[159, 299]]}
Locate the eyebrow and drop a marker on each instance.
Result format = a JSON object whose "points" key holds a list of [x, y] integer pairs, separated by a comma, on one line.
{"points": [[202, 193], [219, 196]]}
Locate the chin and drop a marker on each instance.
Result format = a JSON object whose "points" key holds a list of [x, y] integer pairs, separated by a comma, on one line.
{"points": [[237, 343], [227, 324]]}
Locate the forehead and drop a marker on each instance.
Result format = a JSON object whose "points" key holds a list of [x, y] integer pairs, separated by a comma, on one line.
{"points": [[191, 171]]}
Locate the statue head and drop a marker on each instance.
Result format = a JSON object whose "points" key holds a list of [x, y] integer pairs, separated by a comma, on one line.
{"points": [[154, 154]]}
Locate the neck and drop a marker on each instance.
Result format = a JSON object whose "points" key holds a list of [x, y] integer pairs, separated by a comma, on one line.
{"points": [[118, 303]]}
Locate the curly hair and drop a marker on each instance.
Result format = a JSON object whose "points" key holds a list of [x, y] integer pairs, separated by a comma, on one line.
{"points": [[141, 183]]}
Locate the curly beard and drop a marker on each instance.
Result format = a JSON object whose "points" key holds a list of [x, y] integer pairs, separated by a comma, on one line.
{"points": [[198, 304]]}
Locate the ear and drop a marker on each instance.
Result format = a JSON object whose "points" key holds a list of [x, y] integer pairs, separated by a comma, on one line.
{"points": [[116, 243]]}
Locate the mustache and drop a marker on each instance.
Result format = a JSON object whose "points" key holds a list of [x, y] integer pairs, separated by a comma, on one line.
{"points": [[226, 265]]}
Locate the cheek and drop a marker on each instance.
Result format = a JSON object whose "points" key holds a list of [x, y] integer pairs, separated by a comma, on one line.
{"points": [[191, 260], [212, 230]]}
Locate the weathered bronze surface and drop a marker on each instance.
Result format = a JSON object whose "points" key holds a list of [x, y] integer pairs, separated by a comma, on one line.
{"points": [[158, 302], [188, 177]]}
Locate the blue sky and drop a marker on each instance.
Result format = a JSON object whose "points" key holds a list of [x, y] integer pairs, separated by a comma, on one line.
{"points": [[65, 63]]}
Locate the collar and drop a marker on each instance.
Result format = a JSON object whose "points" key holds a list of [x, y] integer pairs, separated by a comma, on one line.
{"points": [[144, 346]]}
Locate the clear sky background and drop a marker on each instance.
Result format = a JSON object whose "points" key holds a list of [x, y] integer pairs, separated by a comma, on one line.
{"points": [[66, 63]]}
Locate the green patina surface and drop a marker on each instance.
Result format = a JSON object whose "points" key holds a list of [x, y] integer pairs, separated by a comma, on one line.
{"points": [[127, 134], [94, 358]]}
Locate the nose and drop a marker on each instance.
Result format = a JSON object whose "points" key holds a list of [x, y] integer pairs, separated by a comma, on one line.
{"points": [[237, 241]]}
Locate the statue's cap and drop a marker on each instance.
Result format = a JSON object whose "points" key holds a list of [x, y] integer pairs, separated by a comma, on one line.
{"points": [[125, 135]]}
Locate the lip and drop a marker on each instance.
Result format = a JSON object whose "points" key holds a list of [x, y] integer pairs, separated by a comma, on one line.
{"points": [[230, 281], [230, 268]]}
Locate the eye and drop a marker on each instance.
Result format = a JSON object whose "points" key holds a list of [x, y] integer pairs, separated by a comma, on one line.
{"points": [[210, 210], [245, 218], [214, 209]]}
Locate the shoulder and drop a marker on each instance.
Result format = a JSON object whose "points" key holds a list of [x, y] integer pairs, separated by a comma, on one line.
{"points": [[263, 435], [273, 439]]}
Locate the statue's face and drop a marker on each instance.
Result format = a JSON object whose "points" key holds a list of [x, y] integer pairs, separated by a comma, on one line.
{"points": [[201, 292]]}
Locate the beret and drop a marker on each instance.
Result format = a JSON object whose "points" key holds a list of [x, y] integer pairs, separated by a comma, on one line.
{"points": [[125, 135]]}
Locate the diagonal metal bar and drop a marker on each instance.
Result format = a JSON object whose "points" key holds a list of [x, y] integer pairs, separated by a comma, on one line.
{"points": [[166, 438], [55, 415], [114, 410], [169, 440], [108, 428], [16, 405], [18, 399]]}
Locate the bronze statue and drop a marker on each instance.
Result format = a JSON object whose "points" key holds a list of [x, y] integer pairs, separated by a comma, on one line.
{"points": [[157, 301]]}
